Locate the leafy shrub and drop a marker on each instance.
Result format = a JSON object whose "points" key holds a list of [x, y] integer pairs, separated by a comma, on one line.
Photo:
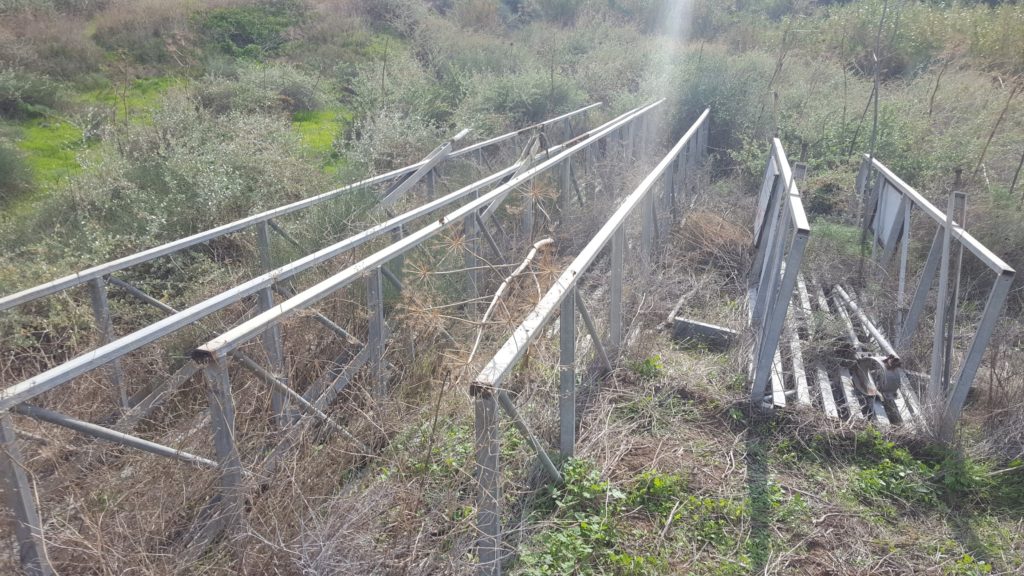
{"points": [[250, 31], [24, 95], [54, 46], [389, 140], [15, 177], [186, 172], [522, 98], [149, 32], [262, 88]]}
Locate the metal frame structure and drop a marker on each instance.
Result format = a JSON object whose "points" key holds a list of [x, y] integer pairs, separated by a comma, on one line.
{"points": [[215, 354], [20, 496], [781, 232], [892, 203], [659, 186]]}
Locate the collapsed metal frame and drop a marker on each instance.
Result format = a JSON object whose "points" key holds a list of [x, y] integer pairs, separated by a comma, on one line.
{"points": [[891, 204], [781, 232], [19, 492], [564, 297]]}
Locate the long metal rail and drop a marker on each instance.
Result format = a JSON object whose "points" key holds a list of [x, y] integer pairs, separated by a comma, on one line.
{"points": [[119, 347], [564, 297], [107, 268]]}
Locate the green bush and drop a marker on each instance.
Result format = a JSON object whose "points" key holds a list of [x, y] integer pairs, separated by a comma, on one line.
{"points": [[187, 171], [149, 32], [15, 177], [254, 31], [26, 95], [262, 88]]}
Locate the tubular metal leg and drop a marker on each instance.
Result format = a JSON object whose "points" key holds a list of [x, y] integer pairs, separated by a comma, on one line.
{"points": [[222, 419], [101, 312], [488, 522], [375, 302], [567, 374], [20, 499]]}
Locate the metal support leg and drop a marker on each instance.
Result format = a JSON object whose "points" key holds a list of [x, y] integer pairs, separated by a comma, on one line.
{"points": [[432, 182], [936, 388], [969, 368], [615, 298], [595, 336], [648, 227], [564, 188], [271, 338], [567, 374], [20, 500], [488, 496], [222, 419], [101, 312], [472, 262], [527, 216], [924, 286], [375, 340]]}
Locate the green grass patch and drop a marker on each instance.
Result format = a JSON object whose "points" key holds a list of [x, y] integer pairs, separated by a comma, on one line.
{"points": [[51, 147], [140, 97], [318, 128]]}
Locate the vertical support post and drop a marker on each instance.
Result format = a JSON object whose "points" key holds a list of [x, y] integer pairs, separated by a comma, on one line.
{"points": [[960, 214], [670, 193], [642, 135], [924, 286], [222, 419], [564, 187], [271, 337], [488, 495], [20, 500], [567, 374], [527, 216], [471, 262], [630, 129], [101, 312], [901, 292], [375, 338], [615, 298], [647, 227], [432, 181], [935, 385]]}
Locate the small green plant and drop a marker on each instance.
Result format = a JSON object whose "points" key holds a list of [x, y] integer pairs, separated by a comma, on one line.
{"points": [[656, 492], [905, 480], [583, 537], [714, 522], [649, 368], [967, 565]]}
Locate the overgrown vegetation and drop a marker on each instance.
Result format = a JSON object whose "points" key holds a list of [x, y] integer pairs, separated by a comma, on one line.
{"points": [[127, 123]]}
